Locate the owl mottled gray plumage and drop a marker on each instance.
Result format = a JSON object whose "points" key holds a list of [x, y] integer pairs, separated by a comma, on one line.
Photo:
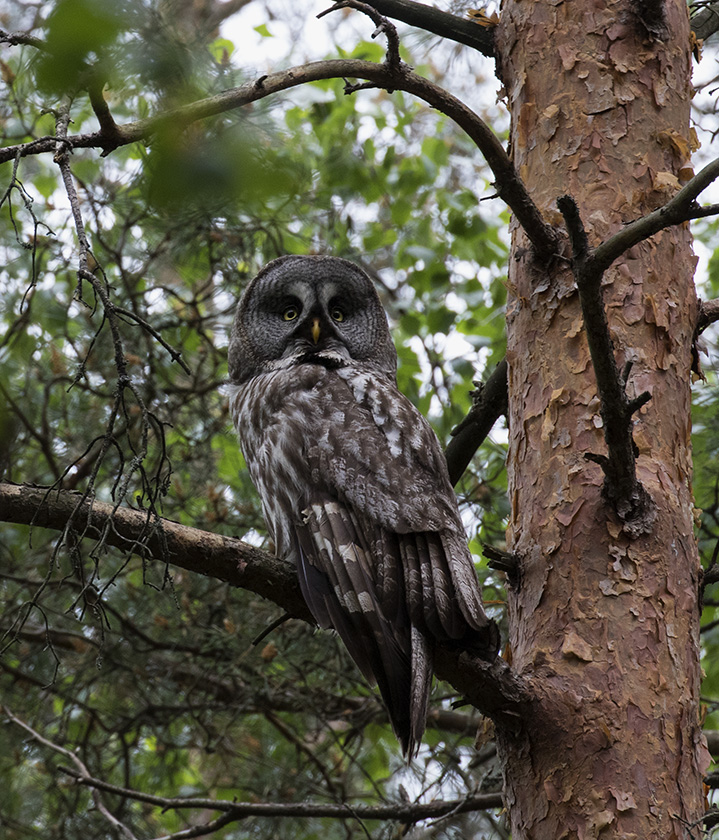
{"points": [[353, 482]]}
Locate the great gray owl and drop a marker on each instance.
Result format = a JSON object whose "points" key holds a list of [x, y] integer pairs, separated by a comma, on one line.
{"points": [[353, 482]]}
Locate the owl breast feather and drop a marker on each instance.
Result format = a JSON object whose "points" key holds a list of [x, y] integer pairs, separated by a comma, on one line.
{"points": [[348, 432]]}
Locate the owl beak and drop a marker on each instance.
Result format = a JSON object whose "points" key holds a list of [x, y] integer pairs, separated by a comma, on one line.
{"points": [[316, 330]]}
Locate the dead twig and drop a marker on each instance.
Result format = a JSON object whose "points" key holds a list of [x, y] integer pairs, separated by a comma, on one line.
{"points": [[622, 488]]}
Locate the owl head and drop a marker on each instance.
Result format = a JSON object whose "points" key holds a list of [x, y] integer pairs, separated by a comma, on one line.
{"points": [[321, 309]]}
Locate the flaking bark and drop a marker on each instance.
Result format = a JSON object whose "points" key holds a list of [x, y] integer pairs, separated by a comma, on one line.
{"points": [[604, 628]]}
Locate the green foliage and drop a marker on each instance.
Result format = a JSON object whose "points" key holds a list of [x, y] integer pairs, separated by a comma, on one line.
{"points": [[705, 441], [76, 31]]}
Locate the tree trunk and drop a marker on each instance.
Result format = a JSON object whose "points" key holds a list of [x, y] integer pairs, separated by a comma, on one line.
{"points": [[604, 627]]}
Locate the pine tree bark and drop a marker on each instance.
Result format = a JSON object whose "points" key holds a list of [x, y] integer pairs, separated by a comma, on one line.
{"points": [[605, 627]]}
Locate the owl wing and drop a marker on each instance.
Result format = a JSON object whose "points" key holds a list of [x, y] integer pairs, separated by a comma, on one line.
{"points": [[381, 551], [379, 456]]}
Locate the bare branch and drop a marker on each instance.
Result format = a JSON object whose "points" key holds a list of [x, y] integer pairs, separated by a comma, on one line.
{"points": [[108, 126], [81, 771], [393, 61], [490, 686], [507, 182], [22, 38], [488, 404], [504, 561], [681, 208], [441, 23], [407, 812], [175, 355], [631, 501]]}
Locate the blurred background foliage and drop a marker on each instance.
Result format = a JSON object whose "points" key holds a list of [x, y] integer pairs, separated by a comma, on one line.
{"points": [[148, 673]]}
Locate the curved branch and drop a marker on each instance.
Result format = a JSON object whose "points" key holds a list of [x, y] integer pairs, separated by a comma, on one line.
{"points": [[507, 182], [440, 23]]}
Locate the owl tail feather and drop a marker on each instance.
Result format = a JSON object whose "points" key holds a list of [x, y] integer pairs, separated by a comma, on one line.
{"points": [[419, 694], [395, 657]]}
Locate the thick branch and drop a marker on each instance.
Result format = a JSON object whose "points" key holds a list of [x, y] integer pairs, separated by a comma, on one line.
{"points": [[507, 182], [705, 22], [681, 208], [440, 23], [223, 558], [489, 403], [621, 486], [491, 687]]}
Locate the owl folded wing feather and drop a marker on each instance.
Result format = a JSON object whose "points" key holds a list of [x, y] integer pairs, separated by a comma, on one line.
{"points": [[338, 577], [380, 457]]}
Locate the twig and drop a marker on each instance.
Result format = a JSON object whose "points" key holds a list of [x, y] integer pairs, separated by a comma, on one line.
{"points": [[488, 404], [22, 38], [631, 501], [408, 812], [507, 182], [301, 746], [393, 61], [124, 381], [81, 771], [504, 561], [108, 126], [202, 830], [174, 354], [278, 622]]}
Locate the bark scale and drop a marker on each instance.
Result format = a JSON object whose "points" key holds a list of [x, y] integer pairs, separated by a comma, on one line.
{"points": [[604, 627]]}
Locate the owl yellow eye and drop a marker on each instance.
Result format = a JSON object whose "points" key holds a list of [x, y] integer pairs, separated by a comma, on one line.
{"points": [[290, 313], [337, 314]]}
